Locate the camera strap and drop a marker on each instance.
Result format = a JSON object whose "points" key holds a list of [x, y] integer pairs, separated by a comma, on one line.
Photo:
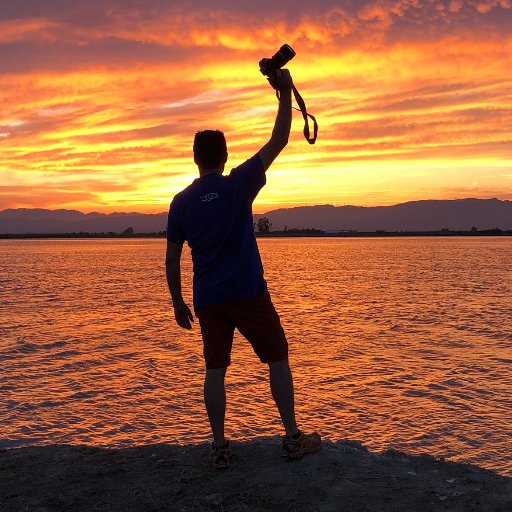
{"points": [[305, 115]]}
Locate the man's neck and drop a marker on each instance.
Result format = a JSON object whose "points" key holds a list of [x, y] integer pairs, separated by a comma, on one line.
{"points": [[206, 172]]}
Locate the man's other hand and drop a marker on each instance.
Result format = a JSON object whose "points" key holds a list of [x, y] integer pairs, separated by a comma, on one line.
{"points": [[183, 315]]}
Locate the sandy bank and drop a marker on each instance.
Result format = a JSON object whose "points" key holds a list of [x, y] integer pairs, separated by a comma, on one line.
{"points": [[343, 476]]}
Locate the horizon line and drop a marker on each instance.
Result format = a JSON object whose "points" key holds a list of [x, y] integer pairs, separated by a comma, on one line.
{"points": [[255, 213]]}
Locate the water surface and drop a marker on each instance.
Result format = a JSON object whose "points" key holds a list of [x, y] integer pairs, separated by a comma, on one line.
{"points": [[396, 342]]}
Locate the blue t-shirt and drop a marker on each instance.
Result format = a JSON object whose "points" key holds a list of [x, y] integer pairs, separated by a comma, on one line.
{"points": [[214, 215]]}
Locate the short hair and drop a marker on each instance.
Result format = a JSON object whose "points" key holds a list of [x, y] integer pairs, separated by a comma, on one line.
{"points": [[210, 150]]}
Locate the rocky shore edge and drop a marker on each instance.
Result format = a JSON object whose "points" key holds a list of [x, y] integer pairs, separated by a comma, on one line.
{"points": [[342, 476]]}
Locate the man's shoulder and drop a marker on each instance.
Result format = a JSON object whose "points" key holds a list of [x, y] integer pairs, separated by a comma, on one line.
{"points": [[251, 165], [182, 194], [176, 199]]}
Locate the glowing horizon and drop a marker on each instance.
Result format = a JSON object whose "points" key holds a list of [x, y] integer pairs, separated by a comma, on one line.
{"points": [[100, 101]]}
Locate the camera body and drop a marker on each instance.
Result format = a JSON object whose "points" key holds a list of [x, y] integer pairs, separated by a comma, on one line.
{"points": [[268, 67]]}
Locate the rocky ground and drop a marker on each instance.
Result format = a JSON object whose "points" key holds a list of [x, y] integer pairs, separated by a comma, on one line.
{"points": [[343, 476]]}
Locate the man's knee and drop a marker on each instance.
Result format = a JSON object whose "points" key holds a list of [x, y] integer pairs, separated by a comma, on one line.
{"points": [[278, 364], [215, 373]]}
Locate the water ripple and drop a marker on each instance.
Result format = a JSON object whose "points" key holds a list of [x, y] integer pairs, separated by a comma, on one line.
{"points": [[400, 343]]}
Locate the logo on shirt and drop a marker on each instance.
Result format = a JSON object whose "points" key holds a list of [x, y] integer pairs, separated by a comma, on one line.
{"points": [[209, 197]]}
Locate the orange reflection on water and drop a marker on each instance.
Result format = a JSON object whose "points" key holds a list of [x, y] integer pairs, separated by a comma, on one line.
{"points": [[399, 343]]}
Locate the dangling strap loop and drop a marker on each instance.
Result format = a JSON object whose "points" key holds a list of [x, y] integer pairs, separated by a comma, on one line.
{"points": [[305, 115]]}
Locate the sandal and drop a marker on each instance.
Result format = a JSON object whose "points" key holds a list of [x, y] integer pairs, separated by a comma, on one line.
{"points": [[220, 457]]}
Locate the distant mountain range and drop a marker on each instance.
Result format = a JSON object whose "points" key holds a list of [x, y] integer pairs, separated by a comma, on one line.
{"points": [[431, 215], [33, 221]]}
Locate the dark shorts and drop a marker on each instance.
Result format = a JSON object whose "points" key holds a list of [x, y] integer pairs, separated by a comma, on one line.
{"points": [[256, 319]]}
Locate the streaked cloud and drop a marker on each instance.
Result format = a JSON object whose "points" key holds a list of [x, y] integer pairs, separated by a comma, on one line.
{"points": [[99, 100]]}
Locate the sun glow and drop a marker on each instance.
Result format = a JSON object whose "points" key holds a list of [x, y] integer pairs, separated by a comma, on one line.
{"points": [[105, 122]]}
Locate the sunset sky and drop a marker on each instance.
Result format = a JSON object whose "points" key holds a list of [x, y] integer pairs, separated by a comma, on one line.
{"points": [[100, 99]]}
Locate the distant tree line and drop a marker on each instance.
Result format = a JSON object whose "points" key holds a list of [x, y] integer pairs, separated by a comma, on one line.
{"points": [[264, 228]]}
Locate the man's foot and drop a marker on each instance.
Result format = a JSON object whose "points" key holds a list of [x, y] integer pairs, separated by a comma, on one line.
{"points": [[220, 457], [295, 448]]}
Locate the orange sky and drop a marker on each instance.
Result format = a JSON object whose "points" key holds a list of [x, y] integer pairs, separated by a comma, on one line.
{"points": [[100, 99]]}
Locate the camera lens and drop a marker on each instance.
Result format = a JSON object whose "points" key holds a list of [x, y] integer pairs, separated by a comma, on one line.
{"points": [[282, 56], [287, 51], [279, 59]]}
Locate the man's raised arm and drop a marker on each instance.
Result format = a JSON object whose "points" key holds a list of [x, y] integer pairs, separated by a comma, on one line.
{"points": [[281, 131], [182, 312]]}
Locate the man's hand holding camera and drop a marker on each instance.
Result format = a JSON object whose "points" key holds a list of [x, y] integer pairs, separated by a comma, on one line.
{"points": [[281, 80]]}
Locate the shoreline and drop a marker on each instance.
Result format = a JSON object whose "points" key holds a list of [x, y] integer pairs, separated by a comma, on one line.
{"points": [[343, 475], [276, 234]]}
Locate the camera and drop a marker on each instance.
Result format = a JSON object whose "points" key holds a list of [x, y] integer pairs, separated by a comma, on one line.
{"points": [[270, 67], [280, 58]]}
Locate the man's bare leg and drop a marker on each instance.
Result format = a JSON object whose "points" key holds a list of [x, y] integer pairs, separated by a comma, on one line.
{"points": [[215, 401], [281, 385]]}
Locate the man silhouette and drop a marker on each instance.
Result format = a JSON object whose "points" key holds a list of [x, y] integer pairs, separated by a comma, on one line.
{"points": [[214, 215]]}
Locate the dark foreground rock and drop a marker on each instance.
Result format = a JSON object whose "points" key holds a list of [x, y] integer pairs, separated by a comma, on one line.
{"points": [[343, 476]]}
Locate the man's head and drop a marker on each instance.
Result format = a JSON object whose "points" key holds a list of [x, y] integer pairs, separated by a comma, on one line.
{"points": [[210, 151]]}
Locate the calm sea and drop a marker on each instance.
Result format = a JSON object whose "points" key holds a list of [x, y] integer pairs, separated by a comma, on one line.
{"points": [[399, 342]]}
